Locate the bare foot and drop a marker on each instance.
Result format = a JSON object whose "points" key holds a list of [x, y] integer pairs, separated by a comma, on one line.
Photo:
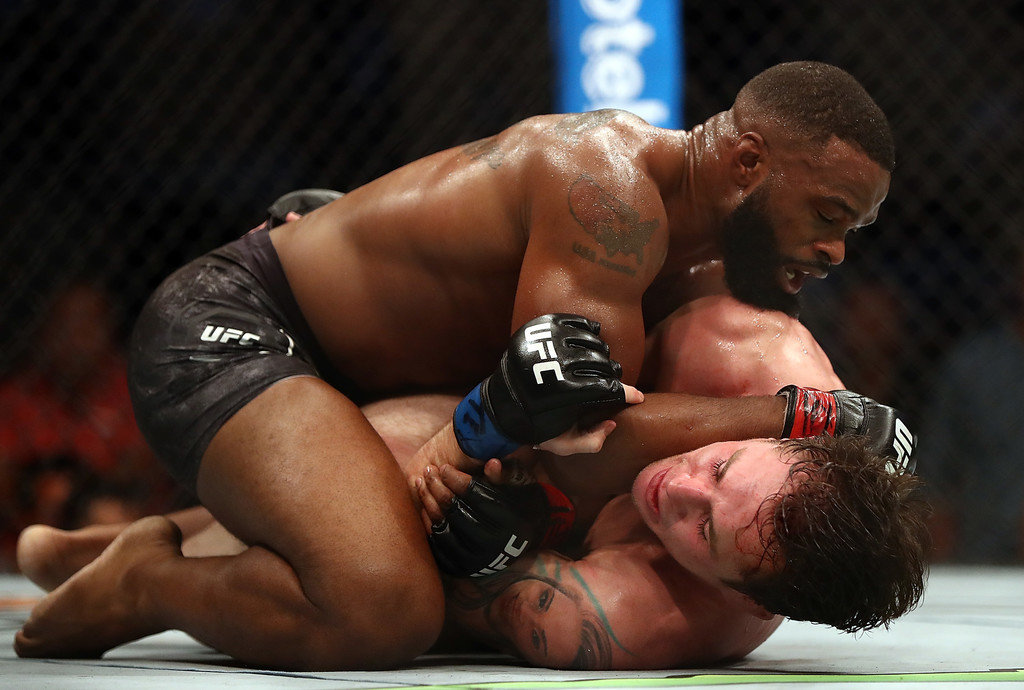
{"points": [[48, 556], [96, 609]]}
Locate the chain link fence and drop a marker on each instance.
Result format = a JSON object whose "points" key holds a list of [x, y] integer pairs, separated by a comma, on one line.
{"points": [[136, 136]]}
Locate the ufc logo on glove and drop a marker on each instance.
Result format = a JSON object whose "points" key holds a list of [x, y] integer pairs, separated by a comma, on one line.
{"points": [[526, 401], [501, 562], [539, 340]]}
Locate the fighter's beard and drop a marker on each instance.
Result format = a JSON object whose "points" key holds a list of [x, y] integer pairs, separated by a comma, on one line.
{"points": [[751, 258]]}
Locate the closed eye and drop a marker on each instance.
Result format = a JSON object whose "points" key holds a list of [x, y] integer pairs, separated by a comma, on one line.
{"points": [[716, 469], [716, 475], [702, 527]]}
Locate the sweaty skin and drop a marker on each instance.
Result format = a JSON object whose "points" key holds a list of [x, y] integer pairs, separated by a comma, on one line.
{"points": [[646, 592], [414, 282], [411, 281], [743, 351]]}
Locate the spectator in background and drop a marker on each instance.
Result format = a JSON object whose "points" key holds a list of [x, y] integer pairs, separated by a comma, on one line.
{"points": [[864, 323], [874, 338], [972, 447], [68, 437]]}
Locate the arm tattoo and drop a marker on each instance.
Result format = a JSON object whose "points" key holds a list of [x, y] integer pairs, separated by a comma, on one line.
{"points": [[596, 635], [612, 222], [578, 123], [486, 150]]}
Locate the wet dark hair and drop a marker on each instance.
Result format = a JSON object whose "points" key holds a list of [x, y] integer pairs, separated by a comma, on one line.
{"points": [[817, 100], [846, 541]]}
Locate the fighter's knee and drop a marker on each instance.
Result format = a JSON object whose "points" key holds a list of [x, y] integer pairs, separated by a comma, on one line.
{"points": [[388, 623]]}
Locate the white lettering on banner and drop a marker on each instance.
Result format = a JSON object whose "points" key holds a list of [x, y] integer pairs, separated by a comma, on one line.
{"points": [[613, 76], [539, 340], [612, 10]]}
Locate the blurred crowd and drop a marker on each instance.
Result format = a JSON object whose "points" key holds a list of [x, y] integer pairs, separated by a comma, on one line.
{"points": [[70, 452], [967, 408]]}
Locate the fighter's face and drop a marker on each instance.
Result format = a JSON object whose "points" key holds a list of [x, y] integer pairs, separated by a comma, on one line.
{"points": [[707, 506], [794, 223]]}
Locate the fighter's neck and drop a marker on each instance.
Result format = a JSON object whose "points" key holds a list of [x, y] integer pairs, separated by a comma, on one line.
{"points": [[699, 203], [697, 200]]}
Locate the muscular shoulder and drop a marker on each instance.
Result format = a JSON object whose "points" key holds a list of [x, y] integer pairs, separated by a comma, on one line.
{"points": [[719, 346], [597, 167], [588, 128], [606, 142]]}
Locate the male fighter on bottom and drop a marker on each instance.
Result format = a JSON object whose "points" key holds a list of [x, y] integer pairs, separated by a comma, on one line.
{"points": [[695, 563]]}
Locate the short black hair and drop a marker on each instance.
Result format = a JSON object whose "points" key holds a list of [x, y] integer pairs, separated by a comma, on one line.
{"points": [[818, 100]]}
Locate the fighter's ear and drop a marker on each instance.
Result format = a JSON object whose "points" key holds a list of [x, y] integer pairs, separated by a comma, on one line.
{"points": [[749, 160]]}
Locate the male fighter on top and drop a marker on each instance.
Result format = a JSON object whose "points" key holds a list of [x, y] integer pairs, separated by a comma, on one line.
{"points": [[413, 282]]}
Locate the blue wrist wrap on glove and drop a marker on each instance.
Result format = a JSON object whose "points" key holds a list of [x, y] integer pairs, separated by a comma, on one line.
{"points": [[476, 432]]}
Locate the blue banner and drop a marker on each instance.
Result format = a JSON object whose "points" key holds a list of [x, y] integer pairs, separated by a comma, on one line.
{"points": [[620, 54]]}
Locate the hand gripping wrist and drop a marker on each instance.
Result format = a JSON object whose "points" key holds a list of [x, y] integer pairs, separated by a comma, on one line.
{"points": [[811, 412], [489, 527], [556, 369]]}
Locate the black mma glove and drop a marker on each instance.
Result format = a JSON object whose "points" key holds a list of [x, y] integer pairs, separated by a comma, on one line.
{"points": [[811, 412], [555, 370], [489, 527], [301, 201]]}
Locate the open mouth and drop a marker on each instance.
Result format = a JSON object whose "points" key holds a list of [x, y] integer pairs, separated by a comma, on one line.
{"points": [[793, 278]]}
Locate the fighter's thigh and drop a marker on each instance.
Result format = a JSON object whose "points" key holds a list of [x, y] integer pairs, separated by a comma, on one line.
{"points": [[300, 471]]}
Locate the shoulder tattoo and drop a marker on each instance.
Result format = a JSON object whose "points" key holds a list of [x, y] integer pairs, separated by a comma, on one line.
{"points": [[485, 150], [612, 222], [596, 636]]}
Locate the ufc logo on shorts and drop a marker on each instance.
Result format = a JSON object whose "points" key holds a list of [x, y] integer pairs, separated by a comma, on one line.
{"points": [[903, 445], [539, 340], [500, 561], [220, 334]]}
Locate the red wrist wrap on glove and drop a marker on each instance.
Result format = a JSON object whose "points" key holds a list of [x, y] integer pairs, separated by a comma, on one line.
{"points": [[814, 412], [561, 517]]}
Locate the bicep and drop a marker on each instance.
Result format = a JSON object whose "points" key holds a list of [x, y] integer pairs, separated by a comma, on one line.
{"points": [[593, 251]]}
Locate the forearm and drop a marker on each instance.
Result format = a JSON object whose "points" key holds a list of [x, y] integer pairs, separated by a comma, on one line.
{"points": [[669, 423], [665, 424], [442, 449]]}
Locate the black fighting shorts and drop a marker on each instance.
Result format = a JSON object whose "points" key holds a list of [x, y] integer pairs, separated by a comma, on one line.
{"points": [[213, 336]]}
